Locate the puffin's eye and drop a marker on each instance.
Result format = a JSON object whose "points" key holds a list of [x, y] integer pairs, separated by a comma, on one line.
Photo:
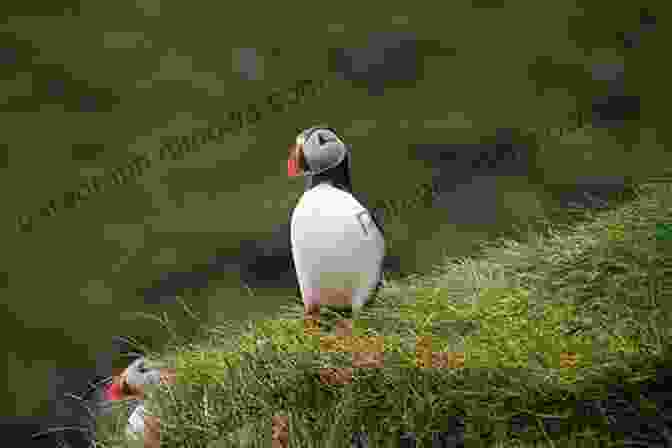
{"points": [[324, 138]]}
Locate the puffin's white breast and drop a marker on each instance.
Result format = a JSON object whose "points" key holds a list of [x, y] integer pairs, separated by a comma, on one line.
{"points": [[336, 247]]}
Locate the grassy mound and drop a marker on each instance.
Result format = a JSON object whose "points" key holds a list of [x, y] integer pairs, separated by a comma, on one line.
{"points": [[525, 329]]}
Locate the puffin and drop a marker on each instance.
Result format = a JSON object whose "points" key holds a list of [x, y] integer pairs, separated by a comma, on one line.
{"points": [[337, 243], [130, 384]]}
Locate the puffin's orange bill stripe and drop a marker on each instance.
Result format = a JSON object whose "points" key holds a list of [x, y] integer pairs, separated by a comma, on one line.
{"points": [[113, 392], [294, 163], [292, 169]]}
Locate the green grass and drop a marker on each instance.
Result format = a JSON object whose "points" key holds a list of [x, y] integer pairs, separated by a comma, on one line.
{"points": [[595, 289]]}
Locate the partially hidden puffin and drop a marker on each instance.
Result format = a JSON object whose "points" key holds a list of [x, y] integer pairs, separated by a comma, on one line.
{"points": [[338, 245], [131, 384]]}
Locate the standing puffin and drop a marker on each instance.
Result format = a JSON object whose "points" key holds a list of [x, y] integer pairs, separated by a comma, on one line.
{"points": [[338, 245]]}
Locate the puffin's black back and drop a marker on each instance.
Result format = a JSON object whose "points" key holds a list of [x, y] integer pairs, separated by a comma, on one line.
{"points": [[338, 175]]}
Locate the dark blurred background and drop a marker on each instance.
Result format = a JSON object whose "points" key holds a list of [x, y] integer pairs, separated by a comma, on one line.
{"points": [[480, 99]]}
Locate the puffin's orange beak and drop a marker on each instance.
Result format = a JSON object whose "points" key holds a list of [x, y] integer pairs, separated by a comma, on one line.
{"points": [[293, 165], [114, 392], [292, 169], [116, 389]]}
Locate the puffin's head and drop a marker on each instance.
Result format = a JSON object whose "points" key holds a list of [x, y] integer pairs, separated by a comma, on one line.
{"points": [[316, 150], [133, 380]]}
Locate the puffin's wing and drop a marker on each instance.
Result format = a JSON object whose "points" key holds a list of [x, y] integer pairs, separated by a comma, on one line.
{"points": [[377, 218], [376, 214]]}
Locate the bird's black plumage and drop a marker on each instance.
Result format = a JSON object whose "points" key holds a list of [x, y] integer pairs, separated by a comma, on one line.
{"points": [[339, 177]]}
